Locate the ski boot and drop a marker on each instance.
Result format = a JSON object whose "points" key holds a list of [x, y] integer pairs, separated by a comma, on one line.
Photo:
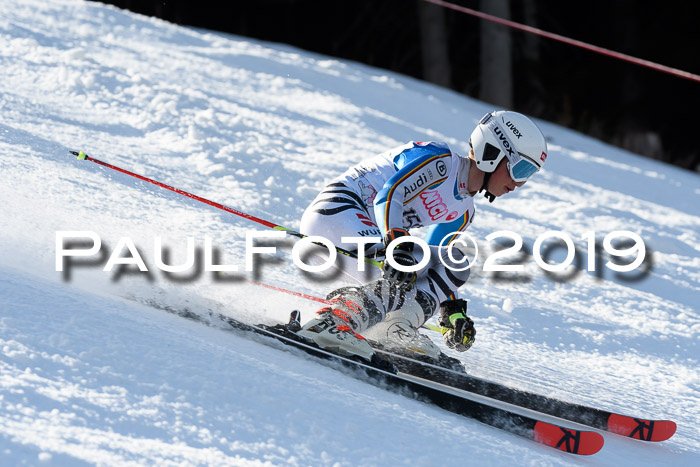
{"points": [[333, 330], [352, 310], [398, 333]]}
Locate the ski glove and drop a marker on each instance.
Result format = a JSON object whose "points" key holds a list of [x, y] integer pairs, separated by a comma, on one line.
{"points": [[403, 255], [456, 327]]}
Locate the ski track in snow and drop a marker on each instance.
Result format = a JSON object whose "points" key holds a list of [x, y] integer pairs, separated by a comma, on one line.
{"points": [[89, 377]]}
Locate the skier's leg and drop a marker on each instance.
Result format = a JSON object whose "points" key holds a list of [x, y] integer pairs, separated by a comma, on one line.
{"points": [[405, 311], [436, 282], [388, 313], [442, 276], [337, 212]]}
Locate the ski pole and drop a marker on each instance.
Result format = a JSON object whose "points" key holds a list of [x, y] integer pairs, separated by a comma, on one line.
{"points": [[289, 292], [82, 156]]}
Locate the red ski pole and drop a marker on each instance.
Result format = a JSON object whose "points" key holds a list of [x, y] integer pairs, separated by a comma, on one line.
{"points": [[82, 156]]}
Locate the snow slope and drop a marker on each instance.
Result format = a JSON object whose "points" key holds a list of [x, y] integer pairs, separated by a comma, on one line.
{"points": [[90, 375]]}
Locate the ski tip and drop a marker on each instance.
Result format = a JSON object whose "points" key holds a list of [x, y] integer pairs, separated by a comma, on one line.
{"points": [[665, 430], [584, 443], [637, 428]]}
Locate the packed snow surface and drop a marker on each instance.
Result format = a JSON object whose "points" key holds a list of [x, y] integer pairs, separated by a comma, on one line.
{"points": [[93, 369]]}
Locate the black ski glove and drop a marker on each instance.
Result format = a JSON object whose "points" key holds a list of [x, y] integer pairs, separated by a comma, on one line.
{"points": [[456, 327], [403, 255]]}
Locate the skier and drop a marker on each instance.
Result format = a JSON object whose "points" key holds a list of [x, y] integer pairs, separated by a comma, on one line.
{"points": [[414, 185]]}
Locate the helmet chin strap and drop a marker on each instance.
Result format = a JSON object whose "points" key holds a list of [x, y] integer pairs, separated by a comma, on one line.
{"points": [[487, 195]]}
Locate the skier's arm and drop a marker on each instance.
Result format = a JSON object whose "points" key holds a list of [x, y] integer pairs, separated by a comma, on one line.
{"points": [[438, 232]]}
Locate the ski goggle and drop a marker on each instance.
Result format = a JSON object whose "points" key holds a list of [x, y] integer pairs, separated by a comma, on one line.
{"points": [[522, 169]]}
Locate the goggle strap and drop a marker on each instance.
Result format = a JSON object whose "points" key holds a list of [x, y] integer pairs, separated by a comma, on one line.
{"points": [[530, 159]]}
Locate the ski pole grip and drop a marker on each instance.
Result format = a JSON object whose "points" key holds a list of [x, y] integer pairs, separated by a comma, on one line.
{"points": [[81, 155]]}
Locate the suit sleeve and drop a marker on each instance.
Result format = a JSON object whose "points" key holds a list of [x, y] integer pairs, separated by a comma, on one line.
{"points": [[388, 206], [438, 232]]}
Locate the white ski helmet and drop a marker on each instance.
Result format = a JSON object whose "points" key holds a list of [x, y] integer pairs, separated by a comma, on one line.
{"points": [[508, 134]]}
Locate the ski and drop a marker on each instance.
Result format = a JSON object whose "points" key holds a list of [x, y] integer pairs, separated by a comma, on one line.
{"points": [[450, 371], [427, 374], [632, 427], [382, 373]]}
